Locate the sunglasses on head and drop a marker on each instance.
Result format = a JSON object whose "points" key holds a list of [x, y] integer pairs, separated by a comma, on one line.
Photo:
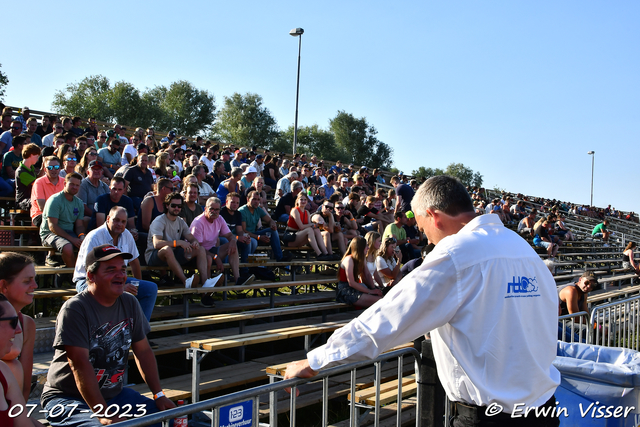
{"points": [[52, 167], [13, 321], [390, 240]]}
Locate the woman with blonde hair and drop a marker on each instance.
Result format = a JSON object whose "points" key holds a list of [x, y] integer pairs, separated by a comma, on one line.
{"points": [[150, 141], [355, 285], [628, 260], [373, 240], [301, 231], [388, 261], [89, 154], [162, 161]]}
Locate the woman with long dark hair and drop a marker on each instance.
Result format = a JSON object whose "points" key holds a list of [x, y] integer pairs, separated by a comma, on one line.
{"points": [[355, 285]]}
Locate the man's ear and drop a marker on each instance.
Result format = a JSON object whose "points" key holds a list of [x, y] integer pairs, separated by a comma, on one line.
{"points": [[435, 217]]}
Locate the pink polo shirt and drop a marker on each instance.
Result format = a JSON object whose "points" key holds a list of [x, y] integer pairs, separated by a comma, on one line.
{"points": [[207, 232], [43, 189]]}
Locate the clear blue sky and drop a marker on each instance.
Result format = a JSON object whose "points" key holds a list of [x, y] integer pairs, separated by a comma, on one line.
{"points": [[519, 91]]}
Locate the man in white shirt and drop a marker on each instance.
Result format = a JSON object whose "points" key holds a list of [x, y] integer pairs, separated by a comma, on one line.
{"points": [[489, 302]]}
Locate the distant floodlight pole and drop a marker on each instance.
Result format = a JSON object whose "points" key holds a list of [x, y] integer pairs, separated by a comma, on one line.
{"points": [[295, 33], [592, 154]]}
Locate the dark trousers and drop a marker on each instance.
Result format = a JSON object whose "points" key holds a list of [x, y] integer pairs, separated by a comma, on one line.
{"points": [[476, 416]]}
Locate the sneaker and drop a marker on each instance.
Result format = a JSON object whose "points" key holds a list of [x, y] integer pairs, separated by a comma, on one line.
{"points": [[324, 257], [51, 262], [606, 245], [337, 257], [189, 282], [207, 301], [286, 257], [210, 283], [245, 281]]}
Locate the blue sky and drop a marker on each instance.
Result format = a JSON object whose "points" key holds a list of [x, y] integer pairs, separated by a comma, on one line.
{"points": [[519, 91]]}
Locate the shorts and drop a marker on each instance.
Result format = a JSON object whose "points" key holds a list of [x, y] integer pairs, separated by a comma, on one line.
{"points": [[213, 250], [597, 235], [346, 294], [54, 241], [544, 244], [372, 226], [155, 261]]}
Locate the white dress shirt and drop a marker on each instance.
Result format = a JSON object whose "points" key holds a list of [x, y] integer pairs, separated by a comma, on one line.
{"points": [[491, 306]]}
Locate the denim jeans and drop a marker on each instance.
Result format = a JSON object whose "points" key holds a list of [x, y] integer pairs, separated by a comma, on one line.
{"points": [[275, 241], [68, 415], [244, 250], [147, 293], [6, 188]]}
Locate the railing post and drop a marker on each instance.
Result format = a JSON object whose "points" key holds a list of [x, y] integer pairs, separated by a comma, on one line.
{"points": [[431, 391]]}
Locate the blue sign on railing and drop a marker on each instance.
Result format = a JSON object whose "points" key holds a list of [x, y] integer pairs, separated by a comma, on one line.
{"points": [[237, 415]]}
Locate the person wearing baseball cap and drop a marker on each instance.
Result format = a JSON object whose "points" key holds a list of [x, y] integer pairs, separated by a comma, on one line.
{"points": [[95, 330]]}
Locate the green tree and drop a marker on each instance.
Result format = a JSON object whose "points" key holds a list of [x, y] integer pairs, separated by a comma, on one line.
{"points": [[245, 121], [182, 107], [88, 98], [314, 140], [358, 139], [464, 174], [4, 81], [426, 173]]}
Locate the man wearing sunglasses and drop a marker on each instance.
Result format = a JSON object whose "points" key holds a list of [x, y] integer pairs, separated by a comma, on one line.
{"points": [[62, 225], [490, 304], [7, 137], [95, 330], [45, 187], [170, 243]]}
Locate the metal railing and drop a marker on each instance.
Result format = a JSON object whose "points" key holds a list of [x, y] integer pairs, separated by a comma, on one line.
{"points": [[250, 398], [617, 324], [575, 327]]}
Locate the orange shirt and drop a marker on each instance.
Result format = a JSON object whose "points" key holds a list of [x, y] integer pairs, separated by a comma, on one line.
{"points": [[43, 189]]}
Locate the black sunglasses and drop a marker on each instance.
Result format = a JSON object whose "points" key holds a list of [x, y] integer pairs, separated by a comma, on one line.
{"points": [[173, 205], [13, 321]]}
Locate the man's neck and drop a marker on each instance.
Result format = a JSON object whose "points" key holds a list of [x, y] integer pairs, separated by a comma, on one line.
{"points": [[55, 180], [94, 181], [170, 216], [100, 299], [68, 196], [190, 205], [115, 236]]}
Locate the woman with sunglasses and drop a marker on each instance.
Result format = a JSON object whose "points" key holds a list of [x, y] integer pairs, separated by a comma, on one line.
{"points": [[355, 285], [305, 231], [389, 261], [17, 283], [89, 154]]}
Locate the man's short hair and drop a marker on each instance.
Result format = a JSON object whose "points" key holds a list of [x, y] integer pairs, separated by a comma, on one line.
{"points": [[371, 199], [30, 149], [251, 193], [394, 179], [294, 174], [164, 182], [233, 194], [354, 196], [212, 200], [50, 159], [72, 175], [196, 169], [331, 177], [114, 211], [398, 214], [19, 139], [444, 193], [118, 179], [296, 185], [81, 138], [32, 119], [236, 172], [173, 196]]}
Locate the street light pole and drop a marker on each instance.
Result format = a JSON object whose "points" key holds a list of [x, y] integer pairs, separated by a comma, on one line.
{"points": [[592, 154], [297, 32]]}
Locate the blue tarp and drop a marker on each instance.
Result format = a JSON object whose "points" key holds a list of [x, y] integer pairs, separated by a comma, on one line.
{"points": [[599, 385]]}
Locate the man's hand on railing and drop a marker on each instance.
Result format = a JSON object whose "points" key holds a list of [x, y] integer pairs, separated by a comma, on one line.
{"points": [[299, 369]]}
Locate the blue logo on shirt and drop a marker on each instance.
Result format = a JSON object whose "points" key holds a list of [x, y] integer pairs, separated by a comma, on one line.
{"points": [[522, 286], [75, 211]]}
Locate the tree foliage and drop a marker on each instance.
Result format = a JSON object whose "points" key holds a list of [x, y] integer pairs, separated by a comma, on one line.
{"points": [[4, 81], [245, 121], [465, 174], [358, 139], [181, 106], [312, 140]]}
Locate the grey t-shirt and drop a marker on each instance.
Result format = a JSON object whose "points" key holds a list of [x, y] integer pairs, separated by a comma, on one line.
{"points": [[166, 230], [107, 332]]}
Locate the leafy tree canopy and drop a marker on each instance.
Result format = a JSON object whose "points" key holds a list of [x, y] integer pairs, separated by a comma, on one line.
{"points": [[466, 175], [4, 81], [245, 121]]}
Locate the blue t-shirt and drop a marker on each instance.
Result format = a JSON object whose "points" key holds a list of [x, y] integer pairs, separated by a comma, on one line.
{"points": [[104, 204]]}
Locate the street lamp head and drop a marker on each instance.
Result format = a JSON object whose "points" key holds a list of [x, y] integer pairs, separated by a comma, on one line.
{"points": [[296, 32], [591, 152]]}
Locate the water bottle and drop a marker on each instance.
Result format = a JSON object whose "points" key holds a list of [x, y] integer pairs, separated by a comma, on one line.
{"points": [[182, 420]]}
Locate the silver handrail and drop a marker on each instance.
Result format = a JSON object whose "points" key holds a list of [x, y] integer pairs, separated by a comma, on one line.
{"points": [[570, 321], [255, 393], [617, 324]]}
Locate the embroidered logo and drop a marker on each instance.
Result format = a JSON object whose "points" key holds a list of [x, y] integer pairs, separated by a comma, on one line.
{"points": [[521, 287]]}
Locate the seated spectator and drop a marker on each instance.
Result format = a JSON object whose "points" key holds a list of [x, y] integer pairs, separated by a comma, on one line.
{"points": [[130, 151], [331, 231], [347, 222], [518, 210], [218, 175], [390, 202], [110, 156], [284, 184], [371, 220], [114, 233], [252, 213], [246, 244], [139, 181], [284, 169], [271, 172], [191, 209], [10, 163], [543, 239], [628, 257], [45, 187], [396, 230], [115, 197], [250, 173], [171, 243], [91, 188], [207, 228], [208, 160], [102, 309], [600, 231], [374, 241], [414, 237], [319, 196], [6, 138], [355, 283], [17, 283], [204, 189], [258, 185], [562, 230], [389, 261], [62, 227], [526, 225], [153, 206], [573, 299], [46, 126], [301, 231], [230, 185], [26, 174], [89, 155]]}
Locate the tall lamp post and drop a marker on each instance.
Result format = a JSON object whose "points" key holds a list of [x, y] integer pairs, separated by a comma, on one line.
{"points": [[592, 154], [297, 32]]}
